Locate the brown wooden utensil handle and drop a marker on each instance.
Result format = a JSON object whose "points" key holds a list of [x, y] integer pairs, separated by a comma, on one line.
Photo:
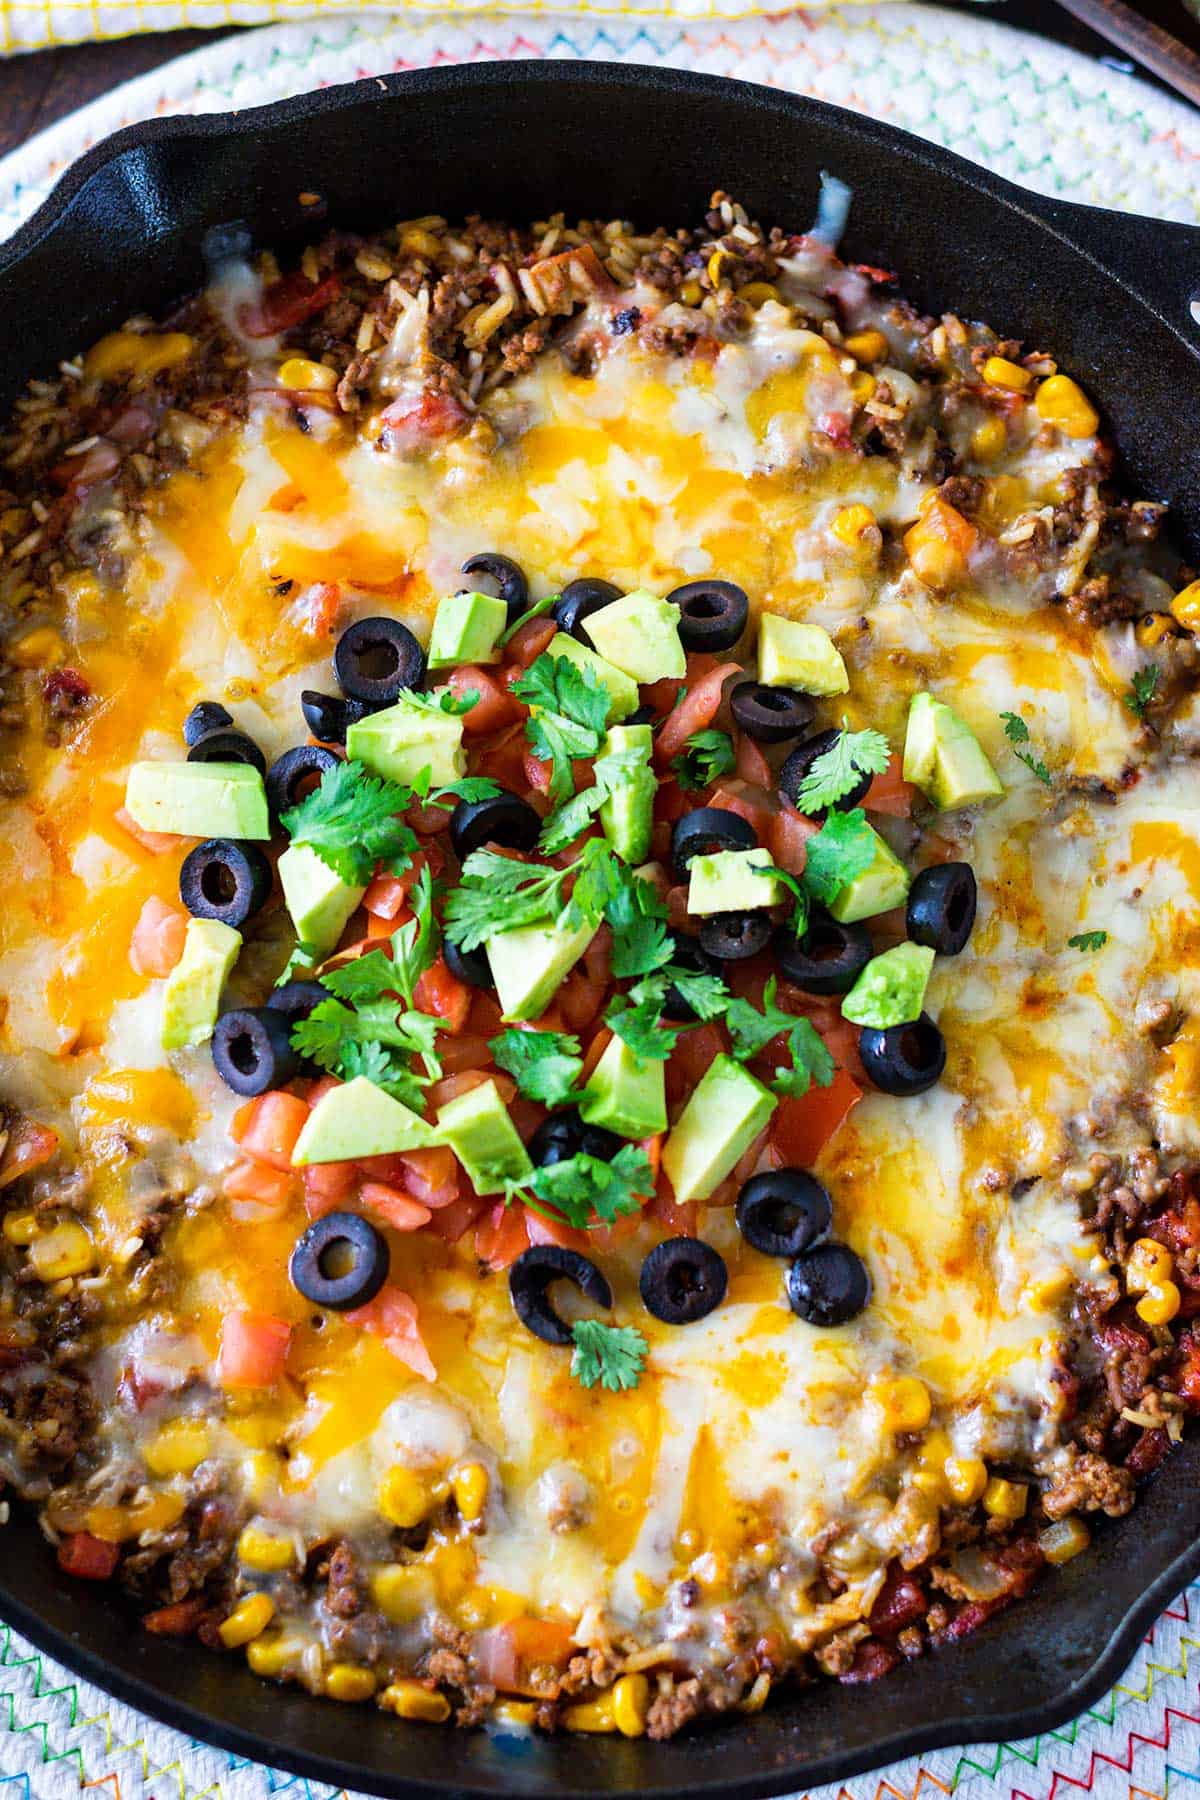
{"points": [[1149, 44]]}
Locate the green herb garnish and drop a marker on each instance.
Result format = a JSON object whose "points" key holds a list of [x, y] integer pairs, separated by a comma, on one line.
{"points": [[612, 1355], [544, 1064], [838, 770], [705, 757], [837, 855], [753, 1029], [563, 826], [498, 893], [351, 822], [584, 1192], [1145, 686], [569, 709], [1017, 733], [1088, 940]]}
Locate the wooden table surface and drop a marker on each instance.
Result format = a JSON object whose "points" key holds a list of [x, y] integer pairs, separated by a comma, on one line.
{"points": [[38, 88]]}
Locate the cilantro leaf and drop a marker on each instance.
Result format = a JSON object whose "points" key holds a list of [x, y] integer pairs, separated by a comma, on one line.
{"points": [[544, 1064], [1088, 940], [637, 915], [641, 1027], [1145, 686], [584, 1192], [811, 1061], [752, 1030], [558, 741], [795, 886], [1015, 728], [705, 756], [470, 788], [388, 1069], [705, 994], [613, 1355], [415, 943], [498, 893], [599, 874], [351, 822], [837, 854], [608, 771], [1017, 733], [837, 770], [569, 709], [301, 962]]}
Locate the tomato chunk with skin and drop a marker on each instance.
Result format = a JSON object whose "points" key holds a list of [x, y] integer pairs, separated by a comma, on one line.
{"points": [[90, 1557], [254, 1349], [801, 1128], [273, 1127]]}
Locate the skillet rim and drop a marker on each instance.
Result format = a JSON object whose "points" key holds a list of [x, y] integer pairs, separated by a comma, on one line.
{"points": [[1123, 249]]}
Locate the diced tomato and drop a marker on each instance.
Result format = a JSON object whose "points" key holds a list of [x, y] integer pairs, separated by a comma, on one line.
{"points": [[597, 958], [901, 1602], [254, 1348], [661, 696], [677, 907], [751, 764], [325, 1084], [270, 1133], [157, 941], [527, 644], [317, 611], [464, 1052], [890, 793], [408, 422], [385, 896], [552, 1231], [801, 1128], [691, 1057], [265, 1187], [501, 1236], [179, 1620], [431, 1176], [538, 774], [653, 1147], [697, 710], [90, 1557], [526, 1116], [398, 1210], [443, 995], [453, 1221], [665, 1210], [392, 1316], [485, 1020], [787, 839], [30, 1146], [594, 1052], [327, 1186], [428, 820], [750, 803], [505, 1655], [580, 1000], [495, 706], [287, 303], [504, 760], [158, 843]]}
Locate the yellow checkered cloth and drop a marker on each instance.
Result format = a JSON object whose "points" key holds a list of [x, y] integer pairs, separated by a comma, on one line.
{"points": [[34, 24]]}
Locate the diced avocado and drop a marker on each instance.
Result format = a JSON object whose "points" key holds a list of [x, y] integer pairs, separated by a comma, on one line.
{"points": [[320, 903], [891, 989], [717, 1126], [944, 758], [530, 964], [639, 634], [198, 799], [793, 654], [478, 1129], [406, 739], [356, 1120], [731, 881], [883, 884], [622, 690], [466, 629], [192, 996], [625, 1096], [627, 816]]}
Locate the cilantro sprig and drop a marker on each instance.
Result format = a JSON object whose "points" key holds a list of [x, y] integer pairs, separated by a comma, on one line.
{"points": [[838, 770], [705, 757], [836, 855], [351, 822], [1017, 733], [643, 951], [1145, 687], [544, 1064], [752, 1028], [584, 1192], [498, 893], [1088, 940], [568, 711], [609, 772], [611, 1355]]}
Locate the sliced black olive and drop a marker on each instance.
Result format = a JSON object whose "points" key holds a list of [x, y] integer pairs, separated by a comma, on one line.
{"points": [[340, 1262], [828, 959], [705, 832], [941, 907], [510, 581], [534, 1274], [205, 716], [801, 761], [565, 1135], [252, 1049], [296, 999], [295, 774], [504, 819], [828, 1285], [783, 1211], [221, 879], [903, 1059], [471, 966], [688, 954], [641, 715], [329, 717], [712, 614], [770, 714], [732, 936], [376, 659], [682, 1279], [228, 747], [578, 600]]}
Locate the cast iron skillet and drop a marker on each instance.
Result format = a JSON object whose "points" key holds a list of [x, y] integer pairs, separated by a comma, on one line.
{"points": [[1108, 294]]}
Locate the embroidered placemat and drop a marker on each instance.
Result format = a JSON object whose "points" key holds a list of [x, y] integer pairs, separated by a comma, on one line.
{"points": [[1028, 109]]}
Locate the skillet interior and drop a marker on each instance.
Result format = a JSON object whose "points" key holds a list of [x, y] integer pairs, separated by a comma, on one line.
{"points": [[122, 235]]}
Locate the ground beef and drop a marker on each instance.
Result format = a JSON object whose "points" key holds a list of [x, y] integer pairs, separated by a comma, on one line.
{"points": [[1090, 1485], [669, 1713], [345, 1589]]}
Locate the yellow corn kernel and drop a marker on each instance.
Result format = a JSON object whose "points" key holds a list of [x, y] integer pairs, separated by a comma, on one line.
{"points": [[519, 1715], [866, 346], [1152, 628], [862, 386], [1048, 1292], [267, 1551], [403, 1497], [158, 1513], [39, 649], [1064, 1539], [1005, 1499], [299, 373], [757, 293], [470, 1488], [64, 1250], [591, 1715], [716, 263], [850, 524], [20, 1227], [1186, 606], [630, 1704], [1159, 1304], [989, 439], [966, 1478], [346, 1681], [419, 242], [931, 1483], [178, 1447], [248, 1618], [403, 1591], [1062, 402], [274, 1655], [999, 372], [904, 1402], [409, 1700], [1149, 1263], [261, 1472], [755, 1697], [136, 353], [691, 292]]}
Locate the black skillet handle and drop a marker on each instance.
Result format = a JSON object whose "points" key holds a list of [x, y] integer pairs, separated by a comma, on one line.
{"points": [[1158, 258]]}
